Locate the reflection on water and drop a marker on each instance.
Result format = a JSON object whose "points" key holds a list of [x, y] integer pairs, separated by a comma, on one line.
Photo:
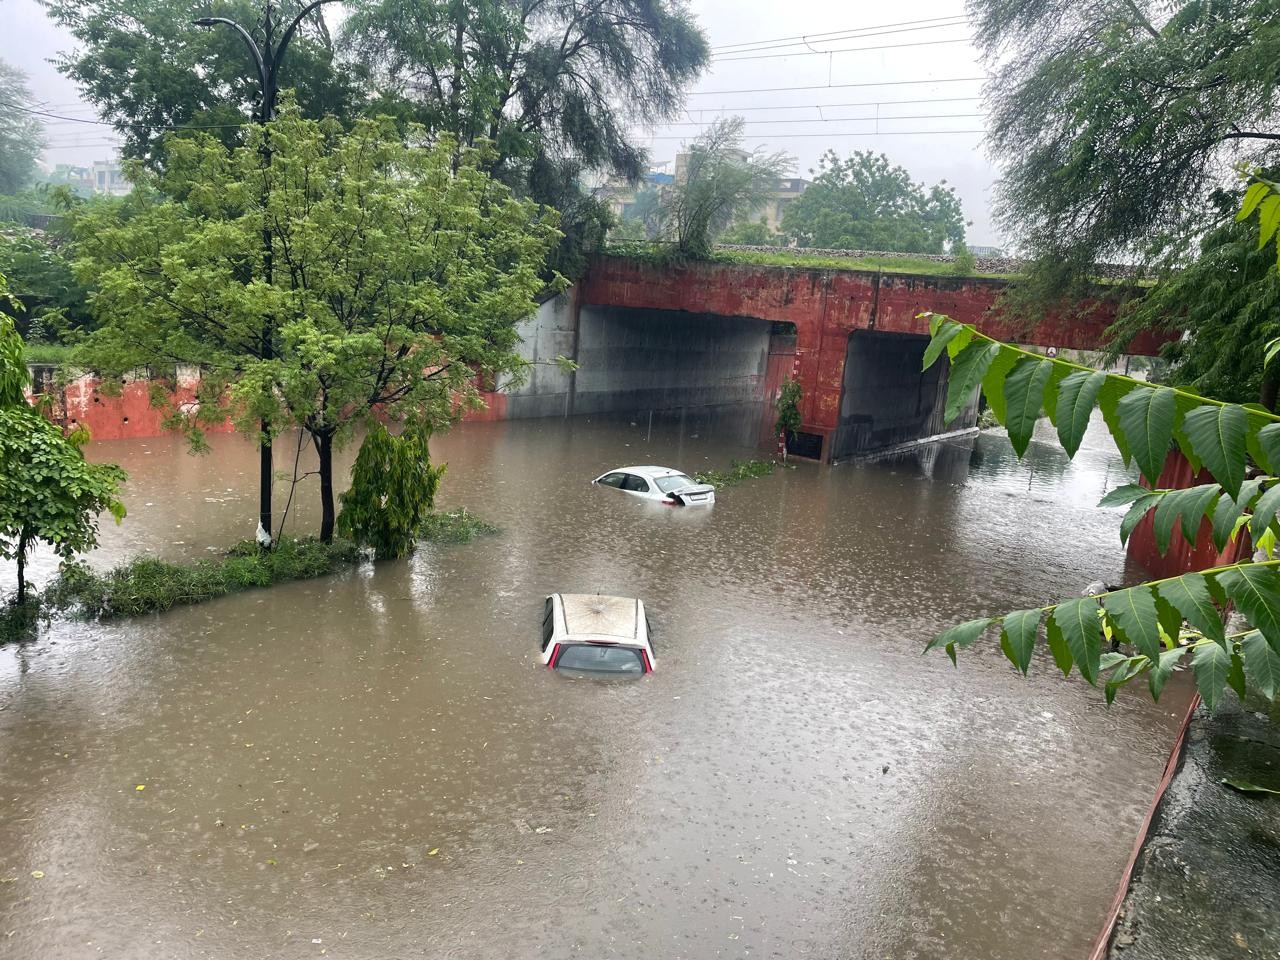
{"points": [[373, 765]]}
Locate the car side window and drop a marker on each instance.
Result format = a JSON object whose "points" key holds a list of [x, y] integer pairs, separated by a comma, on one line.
{"points": [[635, 484], [548, 622], [612, 479]]}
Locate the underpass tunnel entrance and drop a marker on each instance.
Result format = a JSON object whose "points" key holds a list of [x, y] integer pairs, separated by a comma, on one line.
{"points": [[887, 399], [638, 360]]}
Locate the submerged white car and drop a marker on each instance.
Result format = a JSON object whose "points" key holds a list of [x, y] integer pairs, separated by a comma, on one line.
{"points": [[659, 483], [593, 635]]}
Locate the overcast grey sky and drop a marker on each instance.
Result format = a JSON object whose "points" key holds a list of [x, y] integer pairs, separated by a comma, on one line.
{"points": [[917, 40]]}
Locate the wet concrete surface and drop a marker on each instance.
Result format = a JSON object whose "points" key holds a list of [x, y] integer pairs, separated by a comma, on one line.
{"points": [[1207, 881], [373, 765]]}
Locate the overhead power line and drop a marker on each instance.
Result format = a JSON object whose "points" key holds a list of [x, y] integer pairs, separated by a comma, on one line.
{"points": [[807, 42], [912, 116], [833, 106], [836, 86], [801, 38], [841, 133], [823, 53]]}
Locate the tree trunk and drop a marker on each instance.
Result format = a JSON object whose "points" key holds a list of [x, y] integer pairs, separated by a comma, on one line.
{"points": [[324, 449], [24, 541]]}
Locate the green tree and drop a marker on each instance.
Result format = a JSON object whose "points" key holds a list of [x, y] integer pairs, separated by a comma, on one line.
{"points": [[147, 67], [21, 132], [866, 203], [557, 85], [751, 233], [1227, 302], [720, 183], [1115, 122], [54, 302], [393, 488], [49, 493], [401, 271]]}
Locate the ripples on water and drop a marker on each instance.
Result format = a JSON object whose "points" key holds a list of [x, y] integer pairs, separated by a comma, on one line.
{"points": [[373, 765]]}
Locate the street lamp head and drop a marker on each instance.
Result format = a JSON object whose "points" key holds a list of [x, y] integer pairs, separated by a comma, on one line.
{"points": [[206, 22]]}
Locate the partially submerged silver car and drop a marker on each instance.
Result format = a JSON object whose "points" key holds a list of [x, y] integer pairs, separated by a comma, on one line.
{"points": [[659, 483]]}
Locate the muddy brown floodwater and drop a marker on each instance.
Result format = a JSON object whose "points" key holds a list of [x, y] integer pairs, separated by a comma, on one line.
{"points": [[374, 765]]}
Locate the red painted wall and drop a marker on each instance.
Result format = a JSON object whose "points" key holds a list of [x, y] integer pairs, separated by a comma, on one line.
{"points": [[125, 415], [1183, 557], [827, 305]]}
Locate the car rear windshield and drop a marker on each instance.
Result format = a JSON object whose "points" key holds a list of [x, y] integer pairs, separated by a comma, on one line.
{"points": [[596, 658], [673, 482]]}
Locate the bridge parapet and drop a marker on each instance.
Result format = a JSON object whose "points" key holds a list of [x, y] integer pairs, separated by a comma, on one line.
{"points": [[827, 306]]}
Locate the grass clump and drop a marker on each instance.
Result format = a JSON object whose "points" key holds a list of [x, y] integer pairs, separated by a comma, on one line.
{"points": [[454, 526], [738, 471], [145, 585], [47, 353]]}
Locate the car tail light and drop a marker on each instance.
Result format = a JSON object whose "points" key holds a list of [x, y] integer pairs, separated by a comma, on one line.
{"points": [[555, 654], [671, 502], [648, 665]]}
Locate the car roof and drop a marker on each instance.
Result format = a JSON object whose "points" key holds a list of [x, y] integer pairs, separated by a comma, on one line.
{"points": [[592, 613], [651, 471]]}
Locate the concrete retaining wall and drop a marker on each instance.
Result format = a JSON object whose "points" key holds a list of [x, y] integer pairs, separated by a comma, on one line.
{"points": [[636, 360]]}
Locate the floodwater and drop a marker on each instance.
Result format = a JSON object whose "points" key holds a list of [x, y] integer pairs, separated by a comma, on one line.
{"points": [[374, 765]]}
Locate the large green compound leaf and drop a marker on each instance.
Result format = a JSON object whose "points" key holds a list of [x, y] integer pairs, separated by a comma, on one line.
{"points": [[1261, 664], [1217, 436], [1189, 595], [1264, 511], [961, 635], [1210, 663], [967, 371], [1256, 591], [1190, 506], [993, 380], [1023, 397], [1113, 391], [1163, 669], [1080, 628], [1058, 646], [1133, 612], [1077, 395], [1146, 420], [1268, 445], [1018, 637], [946, 333]]}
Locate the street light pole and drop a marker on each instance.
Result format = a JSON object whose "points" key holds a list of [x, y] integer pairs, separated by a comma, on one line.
{"points": [[267, 65]]}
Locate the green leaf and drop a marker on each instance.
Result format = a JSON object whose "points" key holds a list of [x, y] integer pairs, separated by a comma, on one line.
{"points": [[1136, 512], [959, 341], [1245, 786], [1255, 588], [1024, 395], [1078, 622], [1268, 219], [1256, 193], [939, 343], [1162, 669], [1077, 395], [1217, 436], [1058, 647], [1264, 511], [1113, 391], [1210, 664], [961, 635], [1268, 442], [1235, 676], [1273, 348], [967, 371], [1146, 418], [1128, 493], [1261, 664], [1018, 637], [993, 380], [1189, 505], [1133, 611], [1189, 595], [1170, 619], [1225, 515]]}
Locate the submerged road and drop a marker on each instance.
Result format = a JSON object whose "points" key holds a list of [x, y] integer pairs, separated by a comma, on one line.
{"points": [[374, 766]]}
